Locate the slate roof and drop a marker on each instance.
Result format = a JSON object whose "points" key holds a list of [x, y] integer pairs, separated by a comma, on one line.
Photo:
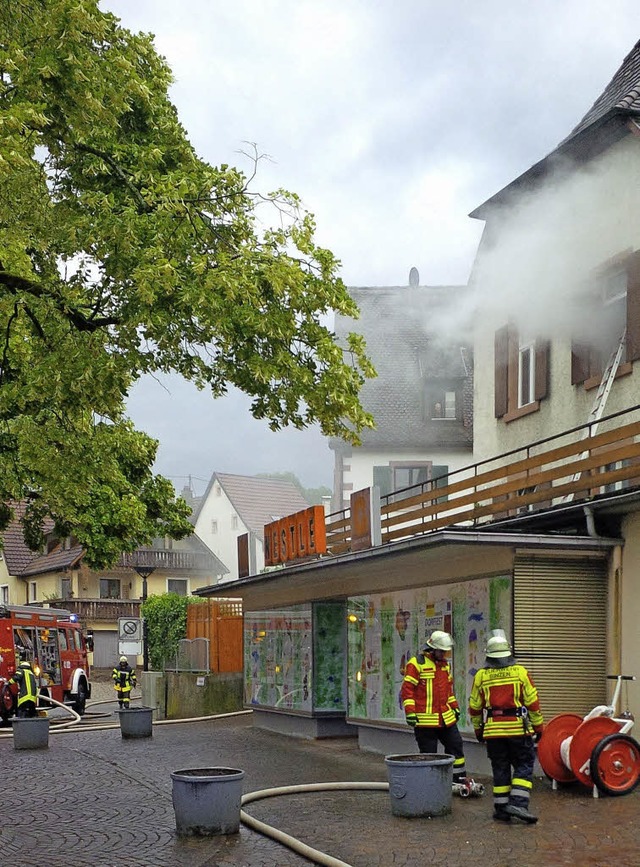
{"points": [[621, 94], [411, 343], [257, 501]]}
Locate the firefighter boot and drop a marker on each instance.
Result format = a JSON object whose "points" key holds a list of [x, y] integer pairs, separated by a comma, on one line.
{"points": [[521, 813], [501, 815]]}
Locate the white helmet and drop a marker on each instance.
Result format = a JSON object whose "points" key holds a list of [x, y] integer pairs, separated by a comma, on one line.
{"points": [[123, 659], [497, 645], [439, 640]]}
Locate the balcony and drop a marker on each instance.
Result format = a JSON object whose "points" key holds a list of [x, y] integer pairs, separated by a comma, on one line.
{"points": [[92, 610], [168, 560]]}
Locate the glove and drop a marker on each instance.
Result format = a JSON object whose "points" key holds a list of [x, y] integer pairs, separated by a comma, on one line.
{"points": [[412, 720], [456, 713], [479, 736]]}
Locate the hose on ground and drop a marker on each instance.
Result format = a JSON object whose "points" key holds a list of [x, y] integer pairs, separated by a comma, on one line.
{"points": [[293, 843]]}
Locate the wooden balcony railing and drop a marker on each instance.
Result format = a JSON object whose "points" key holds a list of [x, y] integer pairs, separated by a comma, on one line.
{"points": [[575, 466], [190, 561], [100, 609]]}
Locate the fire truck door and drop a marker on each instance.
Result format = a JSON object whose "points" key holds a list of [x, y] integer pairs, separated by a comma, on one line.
{"points": [[49, 655]]}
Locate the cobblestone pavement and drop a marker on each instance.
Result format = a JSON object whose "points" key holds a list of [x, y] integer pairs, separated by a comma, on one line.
{"points": [[93, 799]]}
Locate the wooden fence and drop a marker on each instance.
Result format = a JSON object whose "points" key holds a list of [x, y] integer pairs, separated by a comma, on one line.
{"points": [[220, 621]]}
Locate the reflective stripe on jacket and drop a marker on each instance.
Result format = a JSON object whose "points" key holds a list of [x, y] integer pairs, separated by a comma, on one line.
{"points": [[124, 679], [27, 685], [509, 697], [427, 691]]}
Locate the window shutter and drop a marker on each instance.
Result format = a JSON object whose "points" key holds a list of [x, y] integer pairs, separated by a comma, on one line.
{"points": [[501, 370], [383, 479], [542, 369], [440, 474], [633, 308], [579, 362]]}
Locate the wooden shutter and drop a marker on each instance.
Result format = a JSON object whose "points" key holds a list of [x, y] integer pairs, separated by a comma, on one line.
{"points": [[560, 629], [633, 308], [541, 381], [579, 362], [501, 361]]}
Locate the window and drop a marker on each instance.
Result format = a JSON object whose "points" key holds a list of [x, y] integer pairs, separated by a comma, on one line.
{"points": [[4, 594], [234, 522], [443, 404], [521, 373], [110, 588], [33, 591], [178, 585], [526, 372], [405, 476], [214, 526], [397, 476], [65, 588], [616, 310]]}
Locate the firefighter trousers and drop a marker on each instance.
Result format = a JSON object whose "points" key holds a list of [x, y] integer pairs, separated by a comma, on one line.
{"points": [[450, 738], [511, 787]]}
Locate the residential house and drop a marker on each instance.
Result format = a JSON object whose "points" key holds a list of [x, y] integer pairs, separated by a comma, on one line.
{"points": [[422, 397], [234, 505], [58, 576]]}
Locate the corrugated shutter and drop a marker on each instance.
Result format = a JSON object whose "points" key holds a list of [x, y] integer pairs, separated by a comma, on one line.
{"points": [[560, 630]]}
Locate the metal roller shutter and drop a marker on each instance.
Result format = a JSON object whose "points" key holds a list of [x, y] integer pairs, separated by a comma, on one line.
{"points": [[560, 630]]}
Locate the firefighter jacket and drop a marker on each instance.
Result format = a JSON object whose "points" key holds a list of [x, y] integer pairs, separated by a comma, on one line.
{"points": [[25, 680], [427, 691], [504, 702], [124, 678]]}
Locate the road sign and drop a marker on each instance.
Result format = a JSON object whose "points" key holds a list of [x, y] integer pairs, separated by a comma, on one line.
{"points": [[129, 629]]}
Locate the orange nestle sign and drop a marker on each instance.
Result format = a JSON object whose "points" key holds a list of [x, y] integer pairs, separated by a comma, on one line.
{"points": [[295, 537]]}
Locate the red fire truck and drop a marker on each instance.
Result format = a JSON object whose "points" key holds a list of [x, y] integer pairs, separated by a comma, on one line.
{"points": [[52, 641]]}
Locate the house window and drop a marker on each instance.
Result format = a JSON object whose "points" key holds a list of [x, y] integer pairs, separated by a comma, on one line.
{"points": [[178, 585], [405, 476], [65, 588], [616, 310], [4, 594], [214, 526], [110, 588], [33, 591], [234, 522], [443, 405], [526, 372], [521, 373], [397, 476]]}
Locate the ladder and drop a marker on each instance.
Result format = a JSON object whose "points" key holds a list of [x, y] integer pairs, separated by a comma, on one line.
{"points": [[600, 401]]}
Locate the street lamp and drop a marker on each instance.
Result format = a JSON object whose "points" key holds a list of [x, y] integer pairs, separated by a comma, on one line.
{"points": [[144, 572]]}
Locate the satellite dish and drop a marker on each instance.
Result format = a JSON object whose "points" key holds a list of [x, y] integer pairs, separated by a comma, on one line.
{"points": [[414, 277]]}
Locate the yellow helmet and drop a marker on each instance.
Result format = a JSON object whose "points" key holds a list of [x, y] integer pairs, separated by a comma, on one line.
{"points": [[123, 659]]}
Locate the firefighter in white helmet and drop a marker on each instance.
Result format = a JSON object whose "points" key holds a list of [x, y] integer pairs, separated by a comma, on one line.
{"points": [[124, 680], [429, 704], [505, 712]]}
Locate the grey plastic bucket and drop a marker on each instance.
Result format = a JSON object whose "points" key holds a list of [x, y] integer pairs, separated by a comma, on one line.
{"points": [[136, 722], [420, 784], [206, 801], [30, 733]]}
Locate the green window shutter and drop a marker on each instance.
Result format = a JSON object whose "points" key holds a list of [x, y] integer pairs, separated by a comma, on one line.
{"points": [[439, 473], [383, 479]]}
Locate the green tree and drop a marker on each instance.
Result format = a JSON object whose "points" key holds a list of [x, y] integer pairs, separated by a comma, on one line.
{"points": [[122, 253], [166, 617]]}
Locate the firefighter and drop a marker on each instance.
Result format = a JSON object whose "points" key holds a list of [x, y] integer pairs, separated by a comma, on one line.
{"points": [[430, 706], [25, 680], [124, 680], [505, 712]]}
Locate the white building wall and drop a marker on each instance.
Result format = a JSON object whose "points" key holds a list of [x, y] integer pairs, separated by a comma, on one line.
{"points": [[218, 509], [547, 255]]}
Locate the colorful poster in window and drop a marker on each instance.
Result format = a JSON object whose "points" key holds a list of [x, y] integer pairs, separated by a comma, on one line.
{"points": [[385, 630], [329, 657], [278, 662]]}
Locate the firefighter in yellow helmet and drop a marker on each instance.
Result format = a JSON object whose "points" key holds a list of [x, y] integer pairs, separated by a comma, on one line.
{"points": [[430, 706], [505, 712], [25, 680], [124, 680]]}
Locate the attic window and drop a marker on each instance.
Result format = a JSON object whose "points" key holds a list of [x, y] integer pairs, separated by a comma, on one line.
{"points": [[234, 522], [217, 490], [443, 405]]}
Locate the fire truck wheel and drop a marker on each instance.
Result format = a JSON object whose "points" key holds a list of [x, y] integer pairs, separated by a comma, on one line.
{"points": [[80, 703]]}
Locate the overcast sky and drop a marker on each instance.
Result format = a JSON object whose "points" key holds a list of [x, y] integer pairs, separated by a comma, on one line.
{"points": [[392, 120]]}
